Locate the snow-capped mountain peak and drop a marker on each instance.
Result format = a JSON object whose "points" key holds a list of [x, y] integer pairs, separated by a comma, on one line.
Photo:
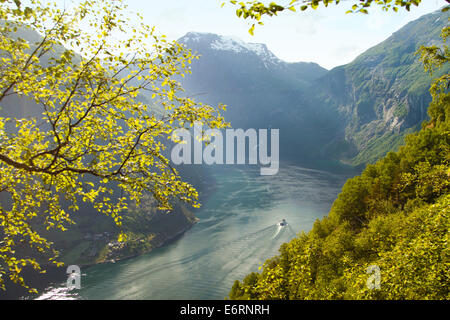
{"points": [[231, 44]]}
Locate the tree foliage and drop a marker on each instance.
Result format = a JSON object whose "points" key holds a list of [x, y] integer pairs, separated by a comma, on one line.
{"points": [[256, 10], [96, 140]]}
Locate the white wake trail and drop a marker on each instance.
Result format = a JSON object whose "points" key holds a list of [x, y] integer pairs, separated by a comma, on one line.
{"points": [[279, 230]]}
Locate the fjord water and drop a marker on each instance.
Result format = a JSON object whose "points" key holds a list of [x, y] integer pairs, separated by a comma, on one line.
{"points": [[236, 233]]}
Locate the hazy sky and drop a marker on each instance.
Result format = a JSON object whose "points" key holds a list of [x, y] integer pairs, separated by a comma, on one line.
{"points": [[327, 36]]}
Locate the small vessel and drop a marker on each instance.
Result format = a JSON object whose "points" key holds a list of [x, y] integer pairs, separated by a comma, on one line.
{"points": [[283, 223]]}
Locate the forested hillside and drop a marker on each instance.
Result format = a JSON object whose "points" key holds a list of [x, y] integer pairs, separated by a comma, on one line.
{"points": [[394, 216]]}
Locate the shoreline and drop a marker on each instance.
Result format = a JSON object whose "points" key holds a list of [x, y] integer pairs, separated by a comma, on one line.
{"points": [[206, 189], [163, 243]]}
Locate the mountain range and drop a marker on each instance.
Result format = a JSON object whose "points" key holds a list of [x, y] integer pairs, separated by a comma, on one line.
{"points": [[354, 113]]}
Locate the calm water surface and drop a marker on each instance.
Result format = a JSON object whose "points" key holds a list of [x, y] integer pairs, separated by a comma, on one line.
{"points": [[237, 232]]}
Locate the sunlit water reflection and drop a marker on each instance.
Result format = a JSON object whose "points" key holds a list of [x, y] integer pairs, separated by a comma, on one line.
{"points": [[237, 232]]}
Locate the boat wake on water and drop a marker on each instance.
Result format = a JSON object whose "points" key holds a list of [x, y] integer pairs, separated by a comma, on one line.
{"points": [[237, 246], [280, 230], [283, 227], [237, 243]]}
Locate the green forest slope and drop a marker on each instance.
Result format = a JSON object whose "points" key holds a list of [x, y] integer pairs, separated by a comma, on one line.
{"points": [[395, 216]]}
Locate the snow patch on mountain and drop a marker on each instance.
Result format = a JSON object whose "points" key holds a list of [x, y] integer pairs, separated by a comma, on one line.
{"points": [[238, 46], [234, 45]]}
